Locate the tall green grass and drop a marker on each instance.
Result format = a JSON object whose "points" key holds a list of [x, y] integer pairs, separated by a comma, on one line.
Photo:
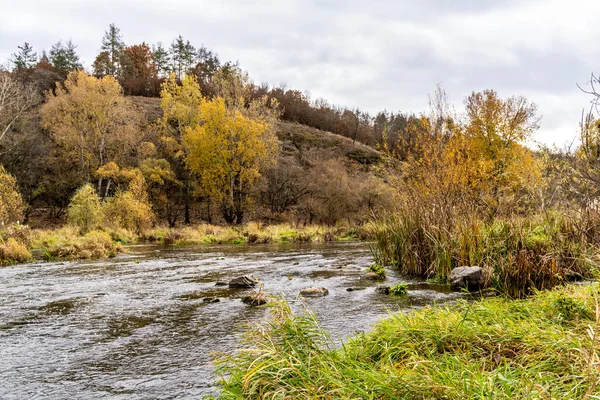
{"points": [[520, 254], [546, 347]]}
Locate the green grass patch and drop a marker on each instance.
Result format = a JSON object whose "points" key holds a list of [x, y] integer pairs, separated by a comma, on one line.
{"points": [[399, 289], [545, 347]]}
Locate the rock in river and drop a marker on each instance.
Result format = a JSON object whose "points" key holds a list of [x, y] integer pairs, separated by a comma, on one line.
{"points": [[314, 292], [254, 298], [372, 276], [210, 300], [244, 281], [382, 289], [471, 278]]}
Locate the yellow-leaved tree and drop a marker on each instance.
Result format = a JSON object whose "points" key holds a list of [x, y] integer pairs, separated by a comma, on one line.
{"points": [[180, 102], [11, 203], [92, 122], [228, 151]]}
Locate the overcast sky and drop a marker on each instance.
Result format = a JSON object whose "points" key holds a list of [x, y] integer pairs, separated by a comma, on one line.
{"points": [[373, 55]]}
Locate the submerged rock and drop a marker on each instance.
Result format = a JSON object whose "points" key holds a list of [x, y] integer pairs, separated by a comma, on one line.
{"points": [[352, 289], [254, 298], [314, 292], [471, 278], [382, 289], [221, 283], [244, 281], [211, 300], [373, 276]]}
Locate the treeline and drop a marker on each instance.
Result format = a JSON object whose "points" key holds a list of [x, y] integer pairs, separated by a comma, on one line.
{"points": [[142, 68]]}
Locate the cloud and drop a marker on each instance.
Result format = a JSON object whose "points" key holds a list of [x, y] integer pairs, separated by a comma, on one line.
{"points": [[373, 55]]}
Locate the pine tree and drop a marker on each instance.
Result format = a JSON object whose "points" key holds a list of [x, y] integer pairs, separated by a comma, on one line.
{"points": [[24, 58], [161, 60], [112, 44], [64, 57], [183, 55]]}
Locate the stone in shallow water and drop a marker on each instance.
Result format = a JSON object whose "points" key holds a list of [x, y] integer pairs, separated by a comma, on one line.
{"points": [[372, 276], [382, 289], [254, 299], [314, 292], [211, 300], [221, 283], [244, 281]]}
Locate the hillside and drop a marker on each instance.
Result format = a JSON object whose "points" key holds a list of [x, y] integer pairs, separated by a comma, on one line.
{"points": [[295, 139]]}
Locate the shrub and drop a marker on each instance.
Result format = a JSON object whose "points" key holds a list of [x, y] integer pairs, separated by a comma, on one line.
{"points": [[130, 209], [11, 203], [378, 269], [399, 289], [13, 251], [84, 210]]}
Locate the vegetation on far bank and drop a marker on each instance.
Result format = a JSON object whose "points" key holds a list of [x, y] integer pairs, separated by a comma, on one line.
{"points": [[544, 347]]}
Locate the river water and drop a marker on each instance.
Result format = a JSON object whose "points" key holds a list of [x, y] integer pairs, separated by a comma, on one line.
{"points": [[136, 327]]}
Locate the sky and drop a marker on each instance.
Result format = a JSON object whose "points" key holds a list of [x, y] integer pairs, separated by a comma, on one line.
{"points": [[373, 55]]}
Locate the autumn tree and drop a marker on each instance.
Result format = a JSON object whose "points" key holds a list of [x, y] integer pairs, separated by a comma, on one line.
{"points": [[85, 210], [138, 69], [130, 209], [91, 120], [180, 103], [229, 150], [498, 129], [64, 57], [11, 203], [15, 99]]}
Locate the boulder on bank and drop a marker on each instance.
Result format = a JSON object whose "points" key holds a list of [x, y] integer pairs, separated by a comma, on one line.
{"points": [[314, 292], [373, 276], [254, 298], [244, 281], [470, 278]]}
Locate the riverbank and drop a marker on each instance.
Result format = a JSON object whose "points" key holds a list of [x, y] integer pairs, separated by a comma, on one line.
{"points": [[20, 244], [543, 347]]}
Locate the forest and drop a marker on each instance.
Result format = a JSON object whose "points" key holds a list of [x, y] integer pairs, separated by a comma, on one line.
{"points": [[172, 145]]}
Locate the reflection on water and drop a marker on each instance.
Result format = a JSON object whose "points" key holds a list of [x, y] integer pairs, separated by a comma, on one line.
{"points": [[137, 327]]}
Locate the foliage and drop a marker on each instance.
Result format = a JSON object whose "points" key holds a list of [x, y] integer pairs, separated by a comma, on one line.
{"points": [[399, 289], [11, 203], [15, 99], [378, 269], [130, 209], [13, 251], [68, 243], [85, 211], [228, 151], [524, 254], [91, 121]]}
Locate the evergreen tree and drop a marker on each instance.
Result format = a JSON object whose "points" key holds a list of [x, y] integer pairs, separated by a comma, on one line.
{"points": [[24, 58], [64, 57], [112, 44], [161, 60], [183, 55]]}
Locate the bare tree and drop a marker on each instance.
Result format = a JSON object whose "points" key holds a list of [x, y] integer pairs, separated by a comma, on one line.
{"points": [[15, 99]]}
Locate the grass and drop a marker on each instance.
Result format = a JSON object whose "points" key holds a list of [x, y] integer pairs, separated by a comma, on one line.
{"points": [[67, 243], [540, 348], [378, 269], [399, 289], [523, 254], [252, 233]]}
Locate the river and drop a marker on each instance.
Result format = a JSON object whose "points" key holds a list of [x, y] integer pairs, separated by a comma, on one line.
{"points": [[136, 327]]}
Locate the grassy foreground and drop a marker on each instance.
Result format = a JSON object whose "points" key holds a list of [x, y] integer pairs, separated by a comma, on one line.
{"points": [[546, 347]]}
